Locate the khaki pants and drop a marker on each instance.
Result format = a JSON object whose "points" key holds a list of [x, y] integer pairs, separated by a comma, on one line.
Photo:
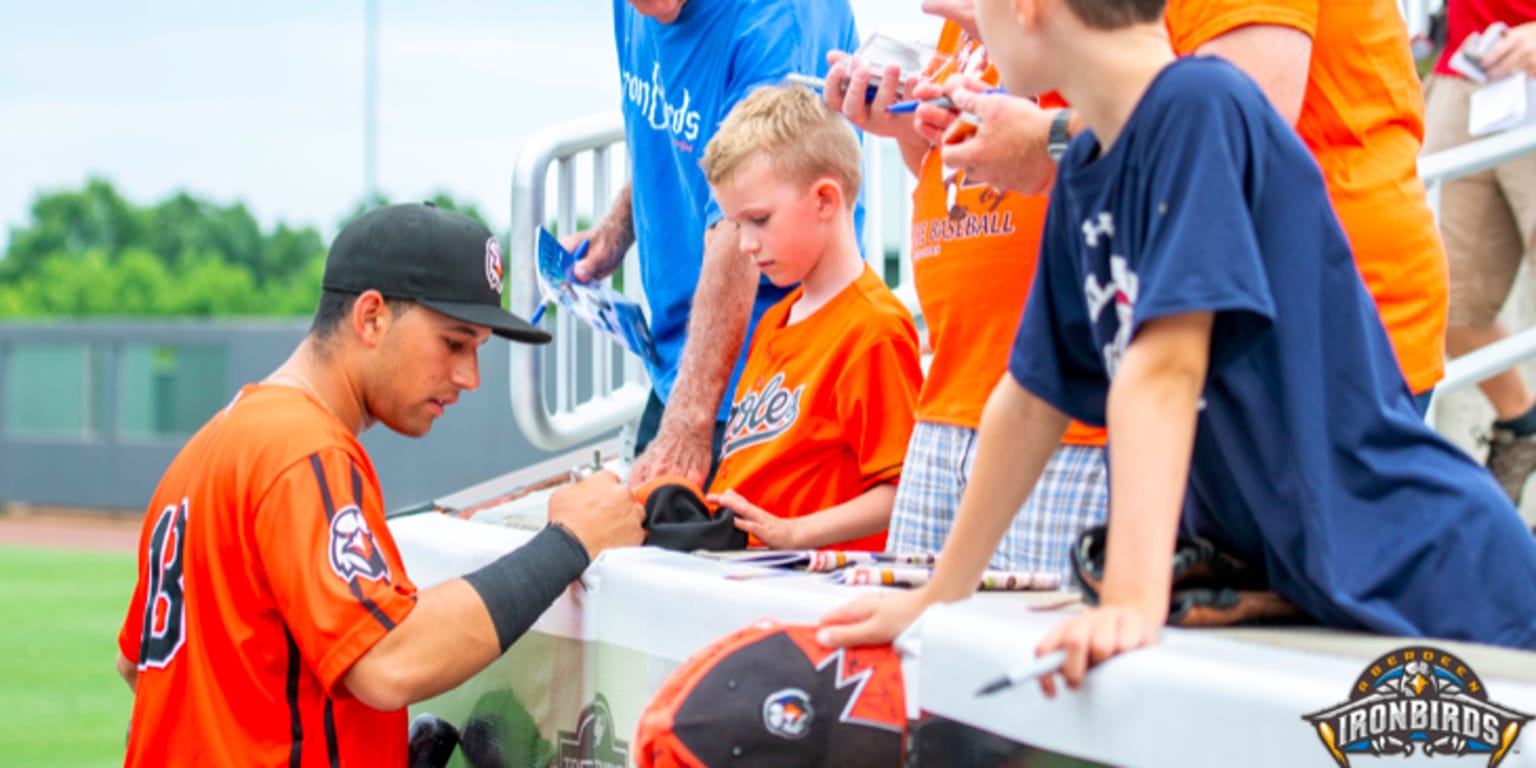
{"points": [[1487, 219]]}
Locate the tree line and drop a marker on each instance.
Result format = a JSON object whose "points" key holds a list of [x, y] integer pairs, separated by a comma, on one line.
{"points": [[89, 252]]}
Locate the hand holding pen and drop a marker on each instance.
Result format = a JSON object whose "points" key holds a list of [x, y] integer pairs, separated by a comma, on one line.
{"points": [[849, 78], [1003, 145], [581, 250]]}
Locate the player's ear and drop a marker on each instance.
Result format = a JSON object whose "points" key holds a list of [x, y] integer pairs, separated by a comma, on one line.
{"points": [[371, 317]]}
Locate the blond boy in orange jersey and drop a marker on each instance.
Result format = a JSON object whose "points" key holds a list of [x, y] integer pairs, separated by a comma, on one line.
{"points": [[822, 414]]}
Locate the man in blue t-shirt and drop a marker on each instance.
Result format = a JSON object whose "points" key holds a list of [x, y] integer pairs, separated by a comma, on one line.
{"points": [[1196, 294], [682, 65]]}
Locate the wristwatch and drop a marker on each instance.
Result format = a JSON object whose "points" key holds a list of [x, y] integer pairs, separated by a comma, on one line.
{"points": [[1056, 143]]}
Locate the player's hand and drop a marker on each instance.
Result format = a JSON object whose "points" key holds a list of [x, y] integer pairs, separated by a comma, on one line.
{"points": [[600, 512], [872, 619], [1514, 52], [773, 531], [847, 81], [1092, 638], [604, 253], [675, 451], [1008, 149]]}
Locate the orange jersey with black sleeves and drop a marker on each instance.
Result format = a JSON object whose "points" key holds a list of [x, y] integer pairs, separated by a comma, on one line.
{"points": [[974, 251], [823, 410], [265, 571], [1363, 118]]}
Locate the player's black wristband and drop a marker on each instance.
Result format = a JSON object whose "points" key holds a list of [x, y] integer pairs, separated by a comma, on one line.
{"points": [[520, 585]]}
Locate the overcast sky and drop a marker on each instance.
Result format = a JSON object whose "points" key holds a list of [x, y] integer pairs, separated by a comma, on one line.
{"points": [[263, 103]]}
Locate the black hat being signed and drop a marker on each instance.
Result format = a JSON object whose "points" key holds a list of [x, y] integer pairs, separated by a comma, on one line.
{"points": [[442, 260]]}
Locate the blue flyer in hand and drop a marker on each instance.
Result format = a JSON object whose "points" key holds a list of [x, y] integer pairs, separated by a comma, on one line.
{"points": [[612, 313]]}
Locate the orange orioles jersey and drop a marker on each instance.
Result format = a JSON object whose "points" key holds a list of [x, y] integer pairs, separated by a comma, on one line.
{"points": [[265, 572], [973, 258], [823, 410]]}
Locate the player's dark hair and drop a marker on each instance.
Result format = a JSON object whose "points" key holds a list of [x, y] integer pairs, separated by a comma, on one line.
{"points": [[336, 305], [1115, 14]]}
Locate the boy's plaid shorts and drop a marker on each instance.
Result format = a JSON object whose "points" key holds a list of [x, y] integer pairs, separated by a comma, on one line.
{"points": [[1072, 495]]}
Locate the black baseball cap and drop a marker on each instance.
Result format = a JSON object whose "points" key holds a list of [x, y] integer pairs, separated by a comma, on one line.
{"points": [[439, 259], [769, 695]]}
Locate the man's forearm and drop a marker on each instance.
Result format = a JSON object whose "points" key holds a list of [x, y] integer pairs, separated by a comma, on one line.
{"points": [[722, 308], [1017, 436], [618, 225], [462, 625]]}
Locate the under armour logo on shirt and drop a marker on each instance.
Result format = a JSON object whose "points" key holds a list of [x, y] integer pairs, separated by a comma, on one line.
{"points": [[1103, 224]]}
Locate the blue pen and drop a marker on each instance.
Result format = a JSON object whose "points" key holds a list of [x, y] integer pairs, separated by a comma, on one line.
{"points": [[941, 102]]}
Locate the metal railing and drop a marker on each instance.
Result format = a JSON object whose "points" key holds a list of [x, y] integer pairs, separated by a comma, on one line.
{"points": [[1440, 167], [562, 397], [571, 420]]}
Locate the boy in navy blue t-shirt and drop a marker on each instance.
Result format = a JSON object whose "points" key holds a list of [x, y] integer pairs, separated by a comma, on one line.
{"points": [[1196, 293]]}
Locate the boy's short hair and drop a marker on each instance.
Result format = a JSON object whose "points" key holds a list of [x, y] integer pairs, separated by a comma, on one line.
{"points": [[1115, 14], [805, 139]]}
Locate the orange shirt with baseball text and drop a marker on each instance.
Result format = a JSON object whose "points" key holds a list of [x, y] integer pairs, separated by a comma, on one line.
{"points": [[265, 571], [823, 410], [974, 251], [1363, 118]]}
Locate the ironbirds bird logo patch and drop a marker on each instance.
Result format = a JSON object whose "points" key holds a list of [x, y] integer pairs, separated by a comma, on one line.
{"points": [[354, 552]]}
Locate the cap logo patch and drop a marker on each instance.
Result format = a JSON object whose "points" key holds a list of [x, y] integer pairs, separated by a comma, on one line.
{"points": [[354, 552], [493, 264], [788, 713]]}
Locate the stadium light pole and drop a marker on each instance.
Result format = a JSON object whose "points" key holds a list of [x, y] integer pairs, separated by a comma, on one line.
{"points": [[370, 101]]}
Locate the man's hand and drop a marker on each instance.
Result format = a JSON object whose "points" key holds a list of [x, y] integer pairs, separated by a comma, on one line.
{"points": [[847, 81], [773, 531], [676, 450], [1008, 149], [872, 619], [605, 253], [607, 242], [600, 512], [1515, 52], [1092, 638]]}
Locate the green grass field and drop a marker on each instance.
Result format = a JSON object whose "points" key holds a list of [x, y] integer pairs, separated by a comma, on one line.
{"points": [[61, 701]]}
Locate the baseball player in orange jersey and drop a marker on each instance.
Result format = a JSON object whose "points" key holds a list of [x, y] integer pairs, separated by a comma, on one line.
{"points": [[974, 252], [273, 622], [823, 410]]}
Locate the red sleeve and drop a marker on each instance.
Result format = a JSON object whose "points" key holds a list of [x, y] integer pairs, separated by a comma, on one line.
{"points": [[132, 632], [330, 562], [877, 395], [1193, 23]]}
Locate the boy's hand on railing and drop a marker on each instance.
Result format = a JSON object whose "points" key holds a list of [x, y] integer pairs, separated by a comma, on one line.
{"points": [[1515, 52], [872, 619], [1094, 637]]}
